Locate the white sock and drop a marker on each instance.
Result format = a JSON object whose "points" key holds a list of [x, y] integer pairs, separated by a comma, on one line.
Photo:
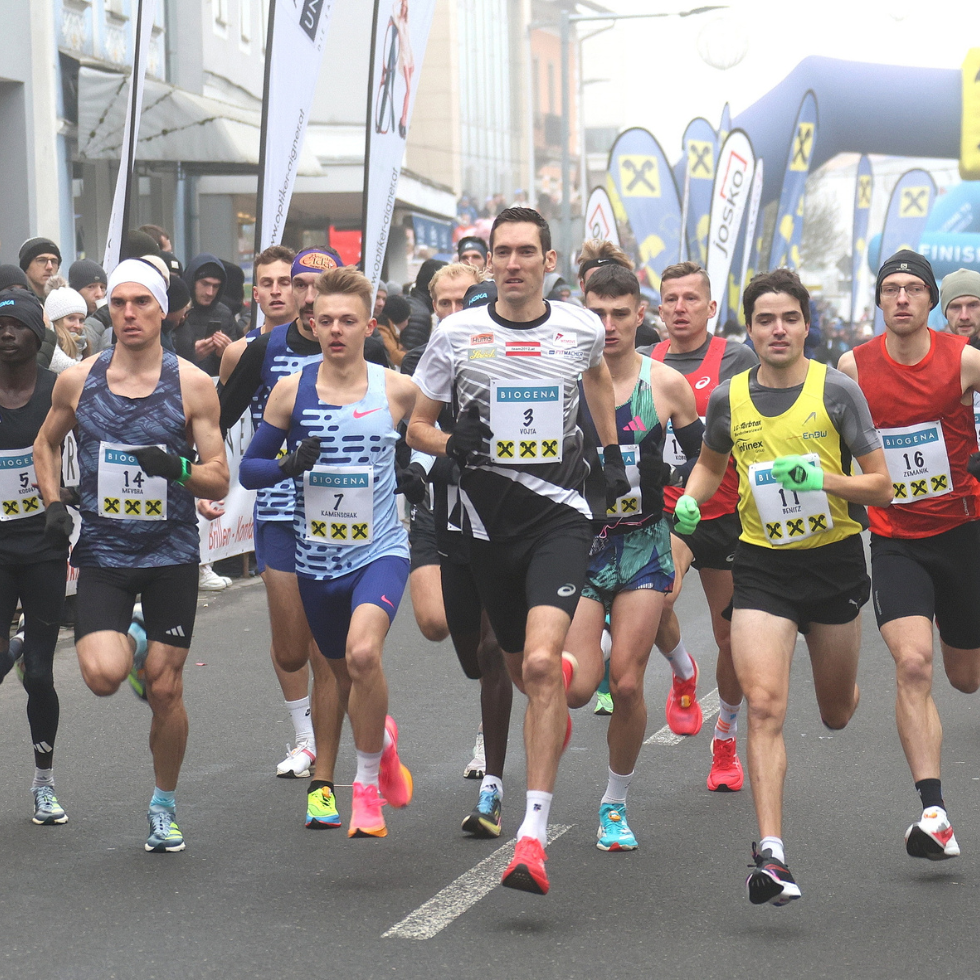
{"points": [[493, 783], [616, 788], [368, 764], [727, 723], [299, 711], [680, 662], [536, 816], [605, 644], [774, 844], [43, 777]]}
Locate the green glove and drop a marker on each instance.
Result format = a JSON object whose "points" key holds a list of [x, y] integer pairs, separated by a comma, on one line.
{"points": [[687, 515], [797, 473]]}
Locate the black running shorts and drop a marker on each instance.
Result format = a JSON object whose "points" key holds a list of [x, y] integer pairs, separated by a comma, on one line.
{"points": [[713, 542], [422, 537]]}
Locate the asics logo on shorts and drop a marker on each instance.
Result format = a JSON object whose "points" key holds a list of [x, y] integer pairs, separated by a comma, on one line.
{"points": [[567, 590]]}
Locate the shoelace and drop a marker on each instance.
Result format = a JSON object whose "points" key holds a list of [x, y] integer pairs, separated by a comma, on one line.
{"points": [[45, 796], [487, 798], [160, 823]]}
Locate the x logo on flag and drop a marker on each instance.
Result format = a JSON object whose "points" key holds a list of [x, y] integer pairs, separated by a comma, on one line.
{"points": [[774, 530], [111, 505], [133, 507], [30, 503], [938, 483], [338, 532], [505, 449], [918, 488], [529, 448], [633, 171], [901, 491], [864, 191], [10, 507], [319, 528], [801, 147], [795, 528], [549, 447], [154, 507], [914, 201], [700, 158], [360, 531], [818, 522]]}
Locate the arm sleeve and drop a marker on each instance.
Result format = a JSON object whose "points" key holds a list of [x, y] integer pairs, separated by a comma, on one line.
{"points": [[849, 411], [259, 467], [689, 439], [434, 374], [718, 421], [245, 380]]}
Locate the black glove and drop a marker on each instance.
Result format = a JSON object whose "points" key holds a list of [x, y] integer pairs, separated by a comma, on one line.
{"points": [[614, 472], [411, 481], [973, 465], [654, 476], [155, 461], [468, 435], [444, 471], [302, 458], [58, 524]]}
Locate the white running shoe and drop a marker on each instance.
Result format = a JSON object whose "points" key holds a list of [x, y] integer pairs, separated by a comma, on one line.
{"points": [[932, 837], [299, 761], [476, 768], [210, 581]]}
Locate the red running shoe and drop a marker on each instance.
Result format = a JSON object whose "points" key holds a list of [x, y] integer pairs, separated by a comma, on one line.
{"points": [[683, 711], [726, 774], [526, 872], [394, 779]]}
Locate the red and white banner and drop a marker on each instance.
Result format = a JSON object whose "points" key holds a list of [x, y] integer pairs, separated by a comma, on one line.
{"points": [[600, 221]]}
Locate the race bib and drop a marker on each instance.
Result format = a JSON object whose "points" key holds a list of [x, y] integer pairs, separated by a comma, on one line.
{"points": [[976, 413], [528, 422], [788, 516], [19, 494], [339, 504], [917, 462], [673, 454], [126, 493], [631, 504]]}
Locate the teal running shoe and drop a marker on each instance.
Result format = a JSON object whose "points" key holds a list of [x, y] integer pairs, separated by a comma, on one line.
{"points": [[47, 809], [165, 835], [485, 820], [614, 832], [137, 676]]}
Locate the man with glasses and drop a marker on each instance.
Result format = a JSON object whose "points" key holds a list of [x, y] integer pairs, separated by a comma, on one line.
{"points": [[925, 546], [40, 258]]}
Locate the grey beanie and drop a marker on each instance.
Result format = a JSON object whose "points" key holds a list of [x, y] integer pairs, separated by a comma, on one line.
{"points": [[962, 282]]}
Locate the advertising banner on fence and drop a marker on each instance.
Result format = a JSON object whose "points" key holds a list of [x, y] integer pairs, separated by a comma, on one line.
{"points": [[645, 187], [729, 203], [905, 219], [700, 151], [600, 221], [859, 236], [789, 216], [401, 33], [232, 532]]}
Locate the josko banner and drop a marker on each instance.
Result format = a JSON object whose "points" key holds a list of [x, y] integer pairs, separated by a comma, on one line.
{"points": [[644, 185], [748, 242], [295, 38], [119, 217], [905, 219], [397, 54], [859, 236], [789, 217], [600, 221], [700, 153], [729, 203]]}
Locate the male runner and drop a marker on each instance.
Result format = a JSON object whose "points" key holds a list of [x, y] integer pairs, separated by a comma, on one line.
{"points": [[959, 299], [685, 308], [925, 546], [512, 369], [630, 569], [793, 426], [138, 412], [270, 354], [33, 568], [472, 250], [337, 417]]}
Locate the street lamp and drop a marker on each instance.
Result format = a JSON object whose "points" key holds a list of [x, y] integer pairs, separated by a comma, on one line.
{"points": [[566, 20]]}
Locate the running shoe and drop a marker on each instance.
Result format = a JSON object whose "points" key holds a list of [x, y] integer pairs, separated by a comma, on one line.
{"points": [[298, 763], [932, 837], [726, 774], [321, 809], [770, 881], [16, 651], [603, 703], [614, 832], [47, 809], [210, 581], [485, 820], [683, 711], [526, 871], [476, 768], [165, 835], [366, 819], [394, 779], [137, 676], [568, 667]]}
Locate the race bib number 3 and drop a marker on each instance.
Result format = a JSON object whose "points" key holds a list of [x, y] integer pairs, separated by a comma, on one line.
{"points": [[917, 462], [339, 505], [528, 422], [126, 493], [18, 485], [788, 516], [631, 504]]}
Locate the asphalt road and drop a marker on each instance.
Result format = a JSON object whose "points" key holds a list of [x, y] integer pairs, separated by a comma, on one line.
{"points": [[256, 895]]}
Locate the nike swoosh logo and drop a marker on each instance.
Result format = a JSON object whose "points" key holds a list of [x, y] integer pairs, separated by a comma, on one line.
{"points": [[384, 598], [360, 415]]}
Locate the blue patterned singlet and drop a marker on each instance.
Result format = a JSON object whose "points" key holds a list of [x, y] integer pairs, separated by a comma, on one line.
{"points": [[157, 419]]}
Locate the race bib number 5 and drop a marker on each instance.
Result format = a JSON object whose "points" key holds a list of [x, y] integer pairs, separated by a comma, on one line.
{"points": [[528, 422], [126, 493], [339, 504], [788, 516], [18, 485]]}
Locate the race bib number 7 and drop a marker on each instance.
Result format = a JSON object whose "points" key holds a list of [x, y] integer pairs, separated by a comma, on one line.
{"points": [[339, 505]]}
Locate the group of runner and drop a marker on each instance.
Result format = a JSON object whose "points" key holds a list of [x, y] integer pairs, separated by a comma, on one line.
{"points": [[562, 483]]}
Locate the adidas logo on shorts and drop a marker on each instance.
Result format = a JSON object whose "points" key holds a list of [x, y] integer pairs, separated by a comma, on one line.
{"points": [[175, 631]]}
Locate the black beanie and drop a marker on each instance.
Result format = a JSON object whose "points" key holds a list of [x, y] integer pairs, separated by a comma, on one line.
{"points": [[905, 260], [137, 244], [34, 247], [24, 306], [480, 294], [178, 295], [210, 270], [396, 309], [84, 272], [471, 243], [13, 275]]}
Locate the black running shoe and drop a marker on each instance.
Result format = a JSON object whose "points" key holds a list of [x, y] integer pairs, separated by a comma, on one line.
{"points": [[770, 881]]}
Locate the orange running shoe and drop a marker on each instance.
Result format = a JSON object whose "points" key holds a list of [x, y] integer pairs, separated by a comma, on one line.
{"points": [[365, 818], [526, 872], [683, 711], [394, 779]]}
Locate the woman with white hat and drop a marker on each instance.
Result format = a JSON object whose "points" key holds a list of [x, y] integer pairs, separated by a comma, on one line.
{"points": [[66, 309]]}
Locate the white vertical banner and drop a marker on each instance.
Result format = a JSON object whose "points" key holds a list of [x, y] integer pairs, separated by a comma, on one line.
{"points": [[685, 208], [600, 222], [400, 37], [146, 11], [729, 200], [295, 37], [755, 201]]}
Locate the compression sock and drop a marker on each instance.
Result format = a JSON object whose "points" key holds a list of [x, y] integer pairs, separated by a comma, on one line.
{"points": [[604, 684], [616, 788], [368, 764], [930, 792], [680, 662], [299, 711], [727, 723], [536, 816], [163, 798], [775, 845]]}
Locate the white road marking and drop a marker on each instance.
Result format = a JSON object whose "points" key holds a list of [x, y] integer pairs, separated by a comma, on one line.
{"points": [[709, 708], [458, 897]]}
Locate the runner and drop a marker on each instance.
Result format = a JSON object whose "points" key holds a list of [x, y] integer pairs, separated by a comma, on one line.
{"points": [[138, 412], [925, 546], [685, 308], [793, 426], [272, 354], [630, 568], [337, 417], [512, 371], [33, 568]]}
